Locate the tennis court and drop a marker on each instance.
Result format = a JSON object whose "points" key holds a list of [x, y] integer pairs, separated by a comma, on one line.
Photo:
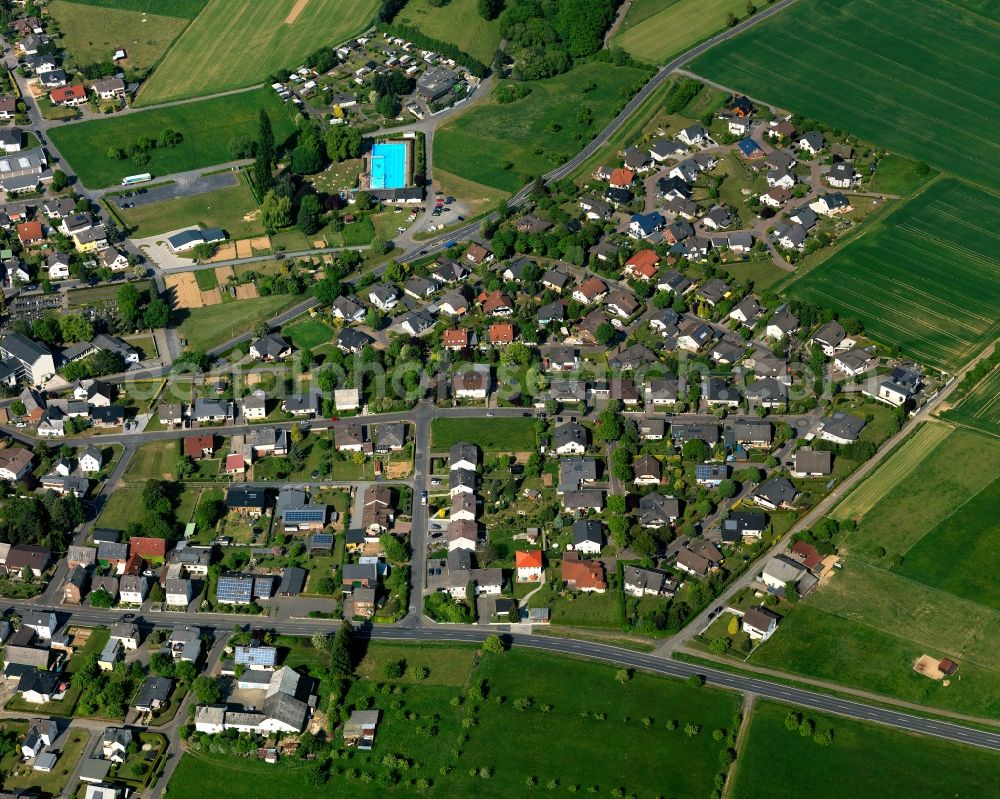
{"points": [[388, 166]]}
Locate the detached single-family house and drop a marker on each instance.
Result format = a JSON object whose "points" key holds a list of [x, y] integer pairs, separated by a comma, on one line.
{"points": [[759, 623], [777, 492]]}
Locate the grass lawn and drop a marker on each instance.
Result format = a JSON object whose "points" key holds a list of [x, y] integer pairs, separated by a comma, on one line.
{"points": [[457, 22], [509, 434], [52, 783], [223, 208], [93, 34], [477, 198], [904, 76], [183, 9], [207, 128], [761, 272], [206, 279], [204, 328], [308, 333], [123, 507], [99, 295], [908, 765], [446, 664], [899, 175], [504, 146], [587, 738], [587, 610], [890, 279], [358, 233], [235, 43], [980, 408], [655, 30], [154, 461]]}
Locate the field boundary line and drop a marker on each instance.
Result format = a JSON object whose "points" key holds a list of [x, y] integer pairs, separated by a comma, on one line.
{"points": [[945, 518]]}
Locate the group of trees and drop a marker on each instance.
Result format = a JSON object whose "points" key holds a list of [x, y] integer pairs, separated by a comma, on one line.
{"points": [[546, 35], [141, 309], [156, 518], [106, 692], [140, 149], [46, 520]]}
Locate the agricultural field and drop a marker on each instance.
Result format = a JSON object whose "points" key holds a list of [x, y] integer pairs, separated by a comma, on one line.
{"points": [[507, 434], [207, 127], [915, 78], [909, 278], [236, 43], [182, 9], [918, 578], [457, 22], [980, 409], [988, 8], [504, 145], [91, 34], [656, 30], [604, 742], [224, 208], [908, 765]]}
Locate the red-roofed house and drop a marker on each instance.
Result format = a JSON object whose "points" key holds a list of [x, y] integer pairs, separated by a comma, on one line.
{"points": [[68, 95], [584, 575], [642, 265], [199, 446], [807, 554], [529, 565], [235, 463], [455, 339], [147, 547], [30, 233], [135, 564], [496, 303], [591, 290], [621, 178], [501, 334]]}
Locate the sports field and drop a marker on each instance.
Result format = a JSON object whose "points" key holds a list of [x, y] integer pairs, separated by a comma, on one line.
{"points": [[980, 409], [506, 145], [918, 577], [907, 765], [207, 127], [918, 78], [91, 33], [457, 22], [656, 30], [235, 43], [911, 278]]}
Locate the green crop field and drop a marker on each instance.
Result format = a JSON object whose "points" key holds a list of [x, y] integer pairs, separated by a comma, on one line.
{"points": [[980, 409], [910, 278], [207, 127], [92, 33], [656, 30], [235, 43], [908, 765], [588, 741], [507, 434], [504, 145], [918, 578], [182, 9], [988, 8], [224, 208], [918, 78], [457, 22], [891, 472]]}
